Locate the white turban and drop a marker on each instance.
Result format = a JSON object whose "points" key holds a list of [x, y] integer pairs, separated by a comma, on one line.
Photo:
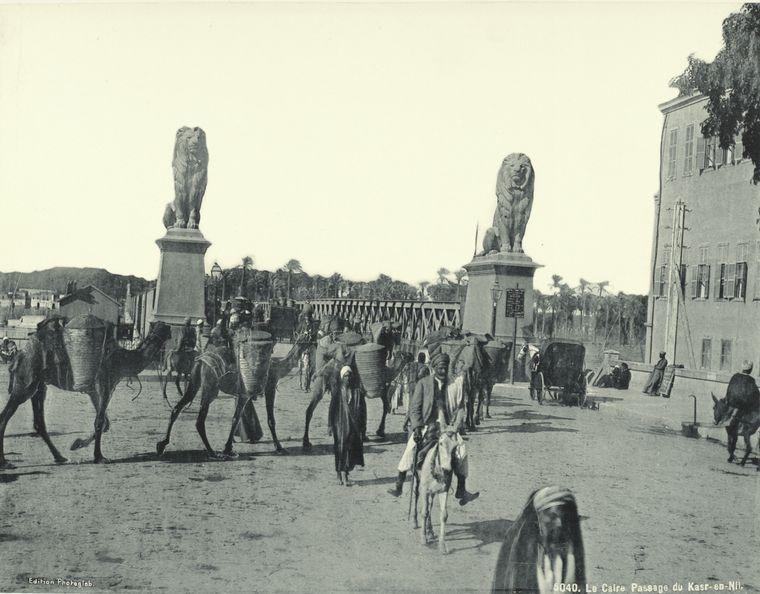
{"points": [[344, 371]]}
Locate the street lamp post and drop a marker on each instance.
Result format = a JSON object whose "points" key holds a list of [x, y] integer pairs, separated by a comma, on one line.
{"points": [[216, 274], [496, 292]]}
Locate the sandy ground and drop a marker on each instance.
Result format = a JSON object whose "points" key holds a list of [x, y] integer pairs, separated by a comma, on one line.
{"points": [[656, 508]]}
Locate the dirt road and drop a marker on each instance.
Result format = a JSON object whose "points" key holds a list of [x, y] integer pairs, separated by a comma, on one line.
{"points": [[657, 508]]}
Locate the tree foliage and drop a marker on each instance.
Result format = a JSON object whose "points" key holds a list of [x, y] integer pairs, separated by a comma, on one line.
{"points": [[731, 84]]}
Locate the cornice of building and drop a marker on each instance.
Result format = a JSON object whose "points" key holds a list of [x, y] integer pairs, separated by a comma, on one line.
{"points": [[681, 102]]}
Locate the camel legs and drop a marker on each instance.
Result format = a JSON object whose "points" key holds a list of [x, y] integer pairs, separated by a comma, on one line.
{"points": [[38, 407], [240, 404], [186, 399], [83, 443], [100, 421], [200, 422], [443, 502], [317, 392], [14, 400], [270, 393], [489, 391]]}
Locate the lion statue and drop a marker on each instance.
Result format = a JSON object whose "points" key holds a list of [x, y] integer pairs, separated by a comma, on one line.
{"points": [[514, 200], [190, 165]]}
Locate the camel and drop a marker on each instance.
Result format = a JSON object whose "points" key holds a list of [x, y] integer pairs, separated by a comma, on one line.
{"points": [[435, 479], [181, 363], [44, 362], [468, 357], [322, 383], [215, 372]]}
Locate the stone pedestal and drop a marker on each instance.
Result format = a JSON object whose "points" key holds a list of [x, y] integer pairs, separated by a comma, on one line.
{"points": [[512, 271], [181, 276]]}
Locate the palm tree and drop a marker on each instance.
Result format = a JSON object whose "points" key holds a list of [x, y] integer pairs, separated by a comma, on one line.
{"points": [[599, 302], [291, 266], [442, 274], [459, 275], [583, 285], [423, 287], [246, 265]]}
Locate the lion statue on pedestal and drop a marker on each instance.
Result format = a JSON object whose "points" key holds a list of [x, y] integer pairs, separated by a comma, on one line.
{"points": [[514, 200], [190, 165]]}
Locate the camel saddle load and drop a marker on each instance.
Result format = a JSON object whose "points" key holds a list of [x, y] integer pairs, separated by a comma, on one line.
{"points": [[370, 364], [85, 338], [253, 350]]}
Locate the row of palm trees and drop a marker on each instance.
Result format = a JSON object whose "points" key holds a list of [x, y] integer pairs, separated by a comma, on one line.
{"points": [[587, 311], [590, 312]]}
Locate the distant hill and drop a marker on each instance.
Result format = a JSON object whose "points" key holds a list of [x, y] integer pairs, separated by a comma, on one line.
{"points": [[56, 279]]}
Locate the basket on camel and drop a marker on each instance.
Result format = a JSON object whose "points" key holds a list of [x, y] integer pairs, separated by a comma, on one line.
{"points": [[370, 364], [85, 340], [253, 351]]}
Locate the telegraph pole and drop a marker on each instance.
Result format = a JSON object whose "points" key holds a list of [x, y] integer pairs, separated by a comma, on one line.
{"points": [[674, 279]]}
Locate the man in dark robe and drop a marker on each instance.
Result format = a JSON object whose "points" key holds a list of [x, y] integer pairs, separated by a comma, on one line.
{"points": [[742, 395], [344, 417], [655, 378], [623, 378]]}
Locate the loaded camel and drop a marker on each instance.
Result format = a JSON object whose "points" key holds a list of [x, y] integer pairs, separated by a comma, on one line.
{"points": [[469, 357], [331, 355], [216, 371], [44, 362]]}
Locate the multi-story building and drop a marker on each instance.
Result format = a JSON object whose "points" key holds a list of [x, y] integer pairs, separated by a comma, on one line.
{"points": [[704, 302]]}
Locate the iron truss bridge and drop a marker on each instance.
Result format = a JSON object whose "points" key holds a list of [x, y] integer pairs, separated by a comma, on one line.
{"points": [[418, 318]]}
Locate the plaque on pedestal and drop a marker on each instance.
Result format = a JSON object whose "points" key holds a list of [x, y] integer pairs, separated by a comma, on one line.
{"points": [[514, 274]]}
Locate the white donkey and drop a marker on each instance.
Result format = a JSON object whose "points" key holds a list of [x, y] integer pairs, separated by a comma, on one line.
{"points": [[435, 479]]}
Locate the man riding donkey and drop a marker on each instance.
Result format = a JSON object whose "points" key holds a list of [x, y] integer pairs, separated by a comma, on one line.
{"points": [[436, 400]]}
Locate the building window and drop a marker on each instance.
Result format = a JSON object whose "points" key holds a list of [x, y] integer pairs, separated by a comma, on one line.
{"points": [[710, 144], [688, 162], [706, 362], [740, 285], [725, 156], [672, 151], [700, 281], [725, 355]]}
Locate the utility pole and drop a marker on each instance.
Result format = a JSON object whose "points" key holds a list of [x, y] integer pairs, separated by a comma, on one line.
{"points": [[674, 279]]}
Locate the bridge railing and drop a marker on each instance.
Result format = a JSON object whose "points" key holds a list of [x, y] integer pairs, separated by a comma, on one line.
{"points": [[418, 318]]}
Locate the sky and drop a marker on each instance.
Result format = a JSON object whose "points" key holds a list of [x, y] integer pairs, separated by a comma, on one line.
{"points": [[360, 138]]}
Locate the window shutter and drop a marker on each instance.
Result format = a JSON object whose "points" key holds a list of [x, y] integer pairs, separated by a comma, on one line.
{"points": [[694, 282], [730, 281], [701, 152], [707, 281]]}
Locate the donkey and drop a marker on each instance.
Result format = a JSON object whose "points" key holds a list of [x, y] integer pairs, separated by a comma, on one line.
{"points": [[746, 426], [435, 479]]}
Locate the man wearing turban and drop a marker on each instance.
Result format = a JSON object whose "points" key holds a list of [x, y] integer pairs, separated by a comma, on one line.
{"points": [[437, 402]]}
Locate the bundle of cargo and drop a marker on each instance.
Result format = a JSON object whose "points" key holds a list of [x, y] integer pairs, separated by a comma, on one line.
{"points": [[370, 364], [85, 339], [498, 358], [350, 339], [254, 354]]}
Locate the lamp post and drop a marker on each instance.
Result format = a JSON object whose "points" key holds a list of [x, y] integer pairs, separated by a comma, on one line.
{"points": [[496, 292], [217, 275]]}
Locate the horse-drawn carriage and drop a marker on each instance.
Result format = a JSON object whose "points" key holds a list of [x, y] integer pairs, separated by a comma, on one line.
{"points": [[560, 372]]}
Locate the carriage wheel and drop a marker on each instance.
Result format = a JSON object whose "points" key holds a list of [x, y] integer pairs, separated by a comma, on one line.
{"points": [[541, 387]]}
